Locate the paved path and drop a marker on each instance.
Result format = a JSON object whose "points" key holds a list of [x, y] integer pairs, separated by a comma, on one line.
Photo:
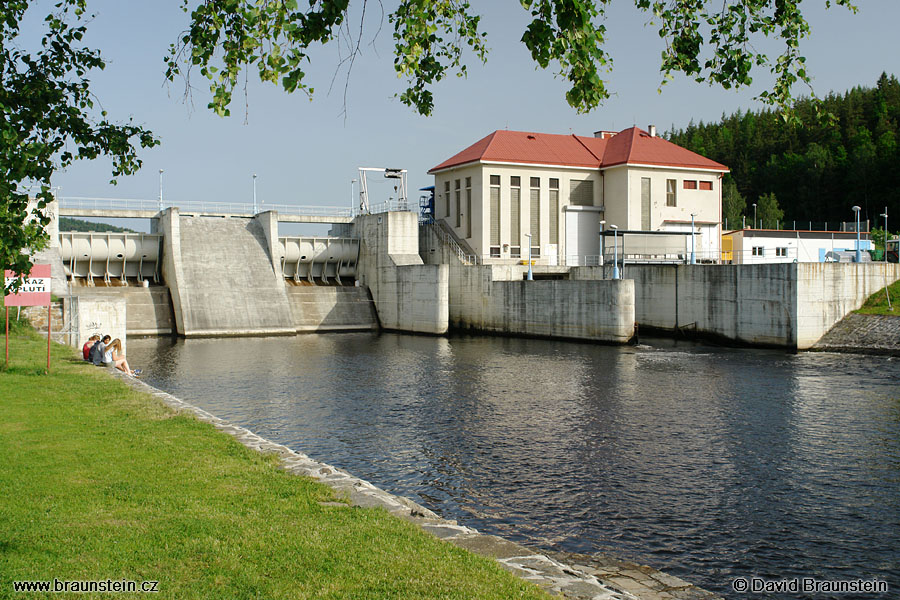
{"points": [[573, 576]]}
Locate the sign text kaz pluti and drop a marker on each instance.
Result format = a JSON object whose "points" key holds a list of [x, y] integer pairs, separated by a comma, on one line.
{"points": [[34, 290]]}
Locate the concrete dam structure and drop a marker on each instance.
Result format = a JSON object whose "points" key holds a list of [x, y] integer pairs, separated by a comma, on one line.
{"points": [[221, 275], [234, 275]]}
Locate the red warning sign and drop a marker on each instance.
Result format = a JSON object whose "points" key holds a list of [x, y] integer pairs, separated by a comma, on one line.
{"points": [[34, 291]]}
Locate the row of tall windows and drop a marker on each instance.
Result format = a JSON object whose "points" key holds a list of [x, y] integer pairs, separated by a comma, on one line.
{"points": [[581, 194], [457, 203]]}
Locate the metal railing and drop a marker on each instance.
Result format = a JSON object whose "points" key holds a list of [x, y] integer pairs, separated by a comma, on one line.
{"points": [[137, 204], [237, 208], [447, 239]]}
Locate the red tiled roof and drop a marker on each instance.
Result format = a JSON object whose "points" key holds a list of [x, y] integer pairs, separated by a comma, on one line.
{"points": [[628, 146], [635, 146]]}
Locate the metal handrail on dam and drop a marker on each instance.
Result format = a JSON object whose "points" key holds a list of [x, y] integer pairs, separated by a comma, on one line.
{"points": [[202, 207]]}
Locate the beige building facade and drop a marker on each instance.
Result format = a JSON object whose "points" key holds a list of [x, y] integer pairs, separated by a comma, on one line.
{"points": [[557, 190]]}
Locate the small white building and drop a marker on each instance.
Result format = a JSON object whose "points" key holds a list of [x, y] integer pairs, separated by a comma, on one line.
{"points": [[749, 246], [558, 189]]}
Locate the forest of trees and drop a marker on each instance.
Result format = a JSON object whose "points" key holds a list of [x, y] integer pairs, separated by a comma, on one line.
{"points": [[813, 172], [70, 224]]}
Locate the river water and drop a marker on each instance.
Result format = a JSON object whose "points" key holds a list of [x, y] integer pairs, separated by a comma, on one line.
{"points": [[708, 463]]}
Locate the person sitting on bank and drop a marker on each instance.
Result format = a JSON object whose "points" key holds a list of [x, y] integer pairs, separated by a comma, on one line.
{"points": [[98, 350], [86, 349], [114, 357]]}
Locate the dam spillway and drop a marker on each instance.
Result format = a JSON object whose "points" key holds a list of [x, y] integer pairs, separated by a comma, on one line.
{"points": [[223, 281]]}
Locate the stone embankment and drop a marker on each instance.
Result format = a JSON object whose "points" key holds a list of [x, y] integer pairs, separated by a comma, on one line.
{"points": [[868, 334], [573, 576]]}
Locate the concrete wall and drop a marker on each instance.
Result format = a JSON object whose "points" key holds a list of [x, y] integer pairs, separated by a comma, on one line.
{"points": [[826, 292], [148, 310], [588, 310], [784, 305], [495, 298], [100, 315], [331, 308], [222, 277], [409, 295]]}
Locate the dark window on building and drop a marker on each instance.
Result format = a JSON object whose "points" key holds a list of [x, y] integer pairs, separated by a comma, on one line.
{"points": [[706, 185], [581, 192], [690, 184]]}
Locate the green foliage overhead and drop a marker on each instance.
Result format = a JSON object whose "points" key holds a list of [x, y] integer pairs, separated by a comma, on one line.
{"points": [[49, 120], [712, 42], [821, 168]]}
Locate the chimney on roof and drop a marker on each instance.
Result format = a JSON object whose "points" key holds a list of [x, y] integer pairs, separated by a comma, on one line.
{"points": [[652, 129], [603, 135]]}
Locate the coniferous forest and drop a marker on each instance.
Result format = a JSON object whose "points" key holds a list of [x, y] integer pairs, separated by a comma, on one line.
{"points": [[815, 171]]}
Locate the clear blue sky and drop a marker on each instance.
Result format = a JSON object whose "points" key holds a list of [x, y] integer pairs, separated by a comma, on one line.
{"points": [[307, 153]]}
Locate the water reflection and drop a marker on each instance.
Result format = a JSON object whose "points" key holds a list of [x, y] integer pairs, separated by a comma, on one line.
{"points": [[708, 463]]}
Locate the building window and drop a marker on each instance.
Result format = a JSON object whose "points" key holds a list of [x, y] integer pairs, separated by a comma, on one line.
{"points": [[468, 207], [535, 225], [670, 192], [447, 197], [515, 212], [554, 211], [458, 204], [780, 251], [645, 203], [495, 212], [495, 251], [581, 192], [515, 251], [690, 184], [759, 251], [706, 185]]}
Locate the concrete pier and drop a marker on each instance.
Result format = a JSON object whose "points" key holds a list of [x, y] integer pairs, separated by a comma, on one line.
{"points": [[409, 295], [497, 299], [221, 275]]}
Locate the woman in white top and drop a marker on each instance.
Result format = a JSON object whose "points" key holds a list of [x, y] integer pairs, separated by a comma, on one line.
{"points": [[115, 358]]}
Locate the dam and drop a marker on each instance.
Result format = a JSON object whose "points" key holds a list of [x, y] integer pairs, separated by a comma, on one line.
{"points": [[227, 271]]}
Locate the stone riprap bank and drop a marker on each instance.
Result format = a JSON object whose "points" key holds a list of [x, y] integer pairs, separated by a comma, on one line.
{"points": [[867, 334]]}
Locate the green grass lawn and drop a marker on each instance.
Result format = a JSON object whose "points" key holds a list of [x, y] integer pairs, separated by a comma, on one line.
{"points": [[101, 481], [877, 304]]}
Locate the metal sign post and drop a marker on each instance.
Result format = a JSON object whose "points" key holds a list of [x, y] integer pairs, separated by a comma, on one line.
{"points": [[34, 290]]}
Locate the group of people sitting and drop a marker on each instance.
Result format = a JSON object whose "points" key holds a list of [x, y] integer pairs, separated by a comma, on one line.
{"points": [[104, 351]]}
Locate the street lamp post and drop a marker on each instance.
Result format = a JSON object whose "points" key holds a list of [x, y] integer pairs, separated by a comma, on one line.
{"points": [[886, 233], [255, 209], [602, 242], [693, 254], [530, 276], [615, 251], [160, 191], [856, 209], [352, 200], [754, 215]]}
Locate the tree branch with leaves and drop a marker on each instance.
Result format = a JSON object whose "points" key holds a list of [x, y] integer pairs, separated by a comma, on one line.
{"points": [[49, 120], [709, 41]]}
